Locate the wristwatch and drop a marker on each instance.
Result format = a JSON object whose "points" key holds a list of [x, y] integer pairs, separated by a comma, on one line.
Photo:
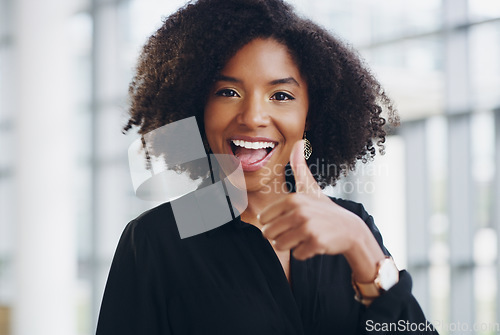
{"points": [[387, 277]]}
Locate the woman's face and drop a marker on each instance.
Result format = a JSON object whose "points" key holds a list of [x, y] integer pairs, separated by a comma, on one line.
{"points": [[257, 110]]}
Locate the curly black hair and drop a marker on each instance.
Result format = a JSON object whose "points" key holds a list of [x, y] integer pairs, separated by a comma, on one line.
{"points": [[187, 53]]}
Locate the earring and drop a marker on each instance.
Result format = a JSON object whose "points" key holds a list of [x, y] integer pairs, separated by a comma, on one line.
{"points": [[308, 149]]}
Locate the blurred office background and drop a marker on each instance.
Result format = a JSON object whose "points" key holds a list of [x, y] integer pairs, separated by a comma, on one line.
{"points": [[66, 194]]}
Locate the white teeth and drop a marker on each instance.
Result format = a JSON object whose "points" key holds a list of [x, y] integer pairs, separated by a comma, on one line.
{"points": [[253, 145]]}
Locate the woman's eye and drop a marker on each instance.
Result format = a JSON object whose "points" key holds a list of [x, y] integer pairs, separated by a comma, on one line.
{"points": [[227, 93], [281, 96]]}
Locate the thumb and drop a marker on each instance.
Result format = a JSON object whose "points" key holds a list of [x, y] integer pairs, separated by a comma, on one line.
{"points": [[304, 180]]}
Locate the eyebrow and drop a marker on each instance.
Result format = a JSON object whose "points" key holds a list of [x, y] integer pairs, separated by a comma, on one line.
{"points": [[221, 77], [289, 80]]}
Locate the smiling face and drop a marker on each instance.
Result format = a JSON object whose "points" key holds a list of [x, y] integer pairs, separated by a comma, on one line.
{"points": [[257, 110]]}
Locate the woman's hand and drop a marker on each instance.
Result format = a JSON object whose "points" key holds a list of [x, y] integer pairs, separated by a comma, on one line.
{"points": [[310, 223]]}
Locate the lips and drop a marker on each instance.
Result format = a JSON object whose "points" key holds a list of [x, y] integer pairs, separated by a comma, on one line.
{"points": [[252, 152]]}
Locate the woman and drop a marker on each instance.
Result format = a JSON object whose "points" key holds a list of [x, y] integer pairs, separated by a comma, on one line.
{"points": [[295, 261]]}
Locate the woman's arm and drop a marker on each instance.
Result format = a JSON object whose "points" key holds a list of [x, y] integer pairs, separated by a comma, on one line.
{"points": [[310, 223]]}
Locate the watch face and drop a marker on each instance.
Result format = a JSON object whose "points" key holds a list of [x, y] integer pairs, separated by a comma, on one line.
{"points": [[388, 274]]}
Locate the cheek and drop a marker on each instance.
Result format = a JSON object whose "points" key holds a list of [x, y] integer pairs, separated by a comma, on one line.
{"points": [[215, 125], [294, 127], [209, 126]]}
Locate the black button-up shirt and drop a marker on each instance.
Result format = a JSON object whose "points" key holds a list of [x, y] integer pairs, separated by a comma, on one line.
{"points": [[230, 281]]}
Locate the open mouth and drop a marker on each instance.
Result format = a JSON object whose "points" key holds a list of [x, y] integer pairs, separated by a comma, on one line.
{"points": [[251, 153]]}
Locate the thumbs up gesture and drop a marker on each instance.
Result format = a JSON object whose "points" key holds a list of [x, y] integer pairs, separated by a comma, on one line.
{"points": [[310, 223]]}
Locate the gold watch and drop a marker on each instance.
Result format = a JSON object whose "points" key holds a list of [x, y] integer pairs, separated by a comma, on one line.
{"points": [[387, 276]]}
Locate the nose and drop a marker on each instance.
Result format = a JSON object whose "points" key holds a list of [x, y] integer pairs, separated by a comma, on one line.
{"points": [[253, 113]]}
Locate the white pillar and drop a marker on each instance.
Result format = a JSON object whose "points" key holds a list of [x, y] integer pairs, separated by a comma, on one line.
{"points": [[45, 252], [460, 186]]}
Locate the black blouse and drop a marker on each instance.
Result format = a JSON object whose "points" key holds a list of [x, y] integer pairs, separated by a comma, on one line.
{"points": [[230, 281]]}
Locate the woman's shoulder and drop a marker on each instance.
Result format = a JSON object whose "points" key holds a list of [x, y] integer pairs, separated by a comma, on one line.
{"points": [[155, 214], [154, 222], [352, 206]]}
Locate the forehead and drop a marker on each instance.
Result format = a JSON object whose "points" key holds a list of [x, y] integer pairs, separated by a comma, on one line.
{"points": [[263, 57]]}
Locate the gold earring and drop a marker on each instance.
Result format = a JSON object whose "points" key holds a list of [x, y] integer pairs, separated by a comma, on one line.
{"points": [[308, 149]]}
